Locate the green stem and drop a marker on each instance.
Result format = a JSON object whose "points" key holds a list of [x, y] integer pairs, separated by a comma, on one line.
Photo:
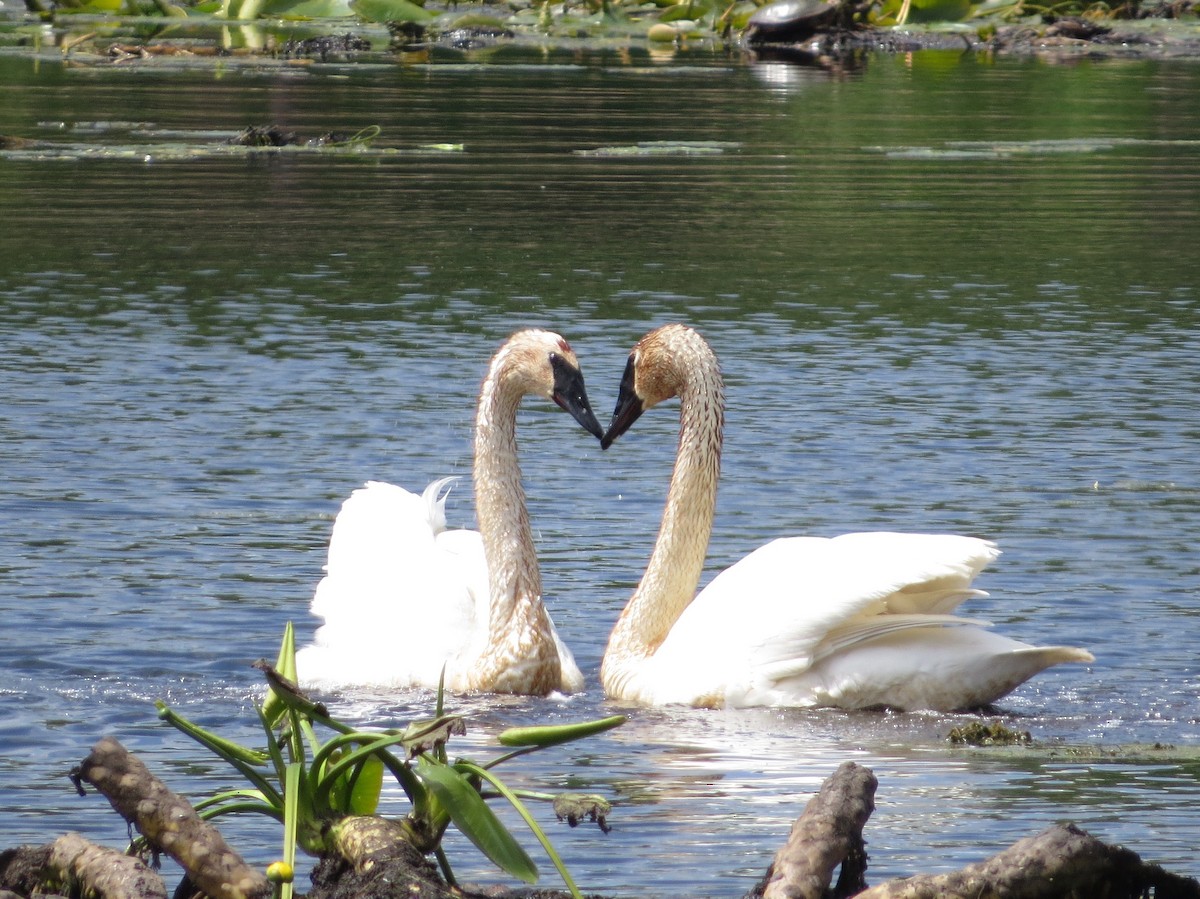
{"points": [[291, 821], [245, 760], [444, 863], [516, 803]]}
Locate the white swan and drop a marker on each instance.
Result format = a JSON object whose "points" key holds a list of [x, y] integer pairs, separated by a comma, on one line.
{"points": [[402, 596], [856, 621]]}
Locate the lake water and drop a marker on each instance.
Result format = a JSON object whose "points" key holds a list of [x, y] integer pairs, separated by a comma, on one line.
{"points": [[949, 294]]}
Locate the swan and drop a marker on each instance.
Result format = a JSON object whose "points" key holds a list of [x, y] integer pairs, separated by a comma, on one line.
{"points": [[403, 596], [859, 620]]}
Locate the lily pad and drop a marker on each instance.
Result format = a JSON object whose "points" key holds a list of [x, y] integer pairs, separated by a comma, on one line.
{"points": [[307, 9], [391, 11]]}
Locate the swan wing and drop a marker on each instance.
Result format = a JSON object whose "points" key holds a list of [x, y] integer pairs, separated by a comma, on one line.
{"points": [[796, 600], [401, 596], [780, 659], [940, 668]]}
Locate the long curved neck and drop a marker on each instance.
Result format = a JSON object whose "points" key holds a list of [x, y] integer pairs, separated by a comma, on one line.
{"points": [[673, 572], [516, 613]]}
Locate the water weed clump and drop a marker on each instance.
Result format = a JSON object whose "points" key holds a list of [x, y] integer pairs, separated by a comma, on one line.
{"points": [[322, 779]]}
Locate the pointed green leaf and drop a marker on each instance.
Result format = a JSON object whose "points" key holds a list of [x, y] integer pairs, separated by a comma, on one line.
{"points": [[285, 664], [477, 822], [291, 822], [554, 734], [227, 749]]}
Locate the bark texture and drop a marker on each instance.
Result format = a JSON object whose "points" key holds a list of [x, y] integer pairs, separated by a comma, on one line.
{"points": [[1062, 862], [169, 822], [827, 834], [75, 862], [368, 841]]}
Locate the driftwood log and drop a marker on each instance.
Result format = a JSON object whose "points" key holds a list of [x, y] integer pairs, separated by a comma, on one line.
{"points": [[74, 866], [826, 835], [98, 870], [1062, 862], [168, 822]]}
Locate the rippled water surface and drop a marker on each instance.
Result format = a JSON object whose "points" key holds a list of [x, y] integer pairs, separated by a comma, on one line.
{"points": [[948, 294]]}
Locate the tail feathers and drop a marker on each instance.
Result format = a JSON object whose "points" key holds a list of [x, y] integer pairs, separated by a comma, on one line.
{"points": [[1057, 655], [435, 502]]}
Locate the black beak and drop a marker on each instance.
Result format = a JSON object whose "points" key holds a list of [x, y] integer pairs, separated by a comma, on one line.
{"points": [[570, 393], [629, 408]]}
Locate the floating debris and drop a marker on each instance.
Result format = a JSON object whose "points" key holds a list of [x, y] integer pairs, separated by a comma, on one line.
{"points": [[664, 148], [264, 136], [995, 734], [1004, 149], [175, 144], [576, 807], [324, 46]]}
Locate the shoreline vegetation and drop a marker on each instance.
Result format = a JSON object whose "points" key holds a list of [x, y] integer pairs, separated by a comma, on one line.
{"points": [[822, 33]]}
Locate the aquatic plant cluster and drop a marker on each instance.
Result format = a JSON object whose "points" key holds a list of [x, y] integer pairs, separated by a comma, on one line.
{"points": [[325, 791], [656, 20]]}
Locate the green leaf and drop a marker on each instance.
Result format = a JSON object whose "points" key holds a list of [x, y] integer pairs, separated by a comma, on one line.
{"points": [[941, 11], [470, 769], [476, 820], [307, 9], [686, 11], [227, 749], [285, 664], [556, 734], [354, 789], [391, 11], [291, 821], [365, 786]]}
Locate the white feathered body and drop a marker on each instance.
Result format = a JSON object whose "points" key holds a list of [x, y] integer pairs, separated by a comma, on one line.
{"points": [[403, 597], [855, 621]]}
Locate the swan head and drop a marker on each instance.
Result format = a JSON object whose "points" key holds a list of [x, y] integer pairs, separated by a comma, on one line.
{"points": [[544, 364], [659, 368]]}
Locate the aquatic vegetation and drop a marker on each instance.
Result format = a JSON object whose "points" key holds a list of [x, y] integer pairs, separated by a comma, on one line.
{"points": [[662, 148], [325, 791], [417, 24], [995, 734]]}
